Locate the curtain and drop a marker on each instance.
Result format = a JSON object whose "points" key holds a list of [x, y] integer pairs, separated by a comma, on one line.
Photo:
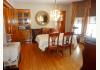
{"points": [[74, 13], [85, 20], [81, 9]]}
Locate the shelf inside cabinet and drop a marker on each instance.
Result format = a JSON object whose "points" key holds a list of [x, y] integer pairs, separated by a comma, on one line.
{"points": [[23, 18]]}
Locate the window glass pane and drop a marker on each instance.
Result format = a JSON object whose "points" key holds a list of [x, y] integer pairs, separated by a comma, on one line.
{"points": [[92, 20], [91, 27]]}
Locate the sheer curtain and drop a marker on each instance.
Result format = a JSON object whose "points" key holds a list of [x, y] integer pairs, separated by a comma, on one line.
{"points": [[85, 19], [91, 27], [74, 13]]}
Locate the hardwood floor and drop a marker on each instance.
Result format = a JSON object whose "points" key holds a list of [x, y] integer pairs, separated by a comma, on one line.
{"points": [[33, 59]]}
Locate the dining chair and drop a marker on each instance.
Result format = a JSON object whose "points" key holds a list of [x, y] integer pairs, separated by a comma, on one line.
{"points": [[67, 41], [53, 42]]}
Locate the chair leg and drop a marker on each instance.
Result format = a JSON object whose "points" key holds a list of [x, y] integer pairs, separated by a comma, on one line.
{"points": [[57, 50], [70, 50], [62, 52]]}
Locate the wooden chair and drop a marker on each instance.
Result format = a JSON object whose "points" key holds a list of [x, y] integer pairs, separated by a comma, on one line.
{"points": [[53, 42], [67, 41]]}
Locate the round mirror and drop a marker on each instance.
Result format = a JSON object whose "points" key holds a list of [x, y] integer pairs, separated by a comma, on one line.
{"points": [[42, 18]]}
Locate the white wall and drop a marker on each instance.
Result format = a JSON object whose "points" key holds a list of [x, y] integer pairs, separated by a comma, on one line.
{"points": [[34, 9]]}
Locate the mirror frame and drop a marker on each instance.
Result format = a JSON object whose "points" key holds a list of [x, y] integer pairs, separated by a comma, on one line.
{"points": [[45, 18]]}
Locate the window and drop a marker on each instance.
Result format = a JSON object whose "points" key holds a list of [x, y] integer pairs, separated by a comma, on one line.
{"points": [[91, 27], [78, 25]]}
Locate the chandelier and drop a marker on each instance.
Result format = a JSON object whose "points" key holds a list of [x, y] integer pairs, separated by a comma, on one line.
{"points": [[55, 13]]}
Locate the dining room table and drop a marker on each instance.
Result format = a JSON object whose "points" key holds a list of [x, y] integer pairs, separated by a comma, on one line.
{"points": [[42, 41]]}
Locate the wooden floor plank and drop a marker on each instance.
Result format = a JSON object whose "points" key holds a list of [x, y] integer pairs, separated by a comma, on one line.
{"points": [[33, 59]]}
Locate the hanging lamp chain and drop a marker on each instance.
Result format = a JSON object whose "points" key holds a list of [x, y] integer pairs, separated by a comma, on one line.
{"points": [[55, 5], [55, 2]]}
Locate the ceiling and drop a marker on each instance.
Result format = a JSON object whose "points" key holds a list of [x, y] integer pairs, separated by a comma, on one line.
{"points": [[45, 1]]}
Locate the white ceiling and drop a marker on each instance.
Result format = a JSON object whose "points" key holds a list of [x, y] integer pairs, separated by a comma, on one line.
{"points": [[45, 1]]}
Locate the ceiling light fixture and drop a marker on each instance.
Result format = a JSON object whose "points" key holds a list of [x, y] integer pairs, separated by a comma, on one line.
{"points": [[55, 13]]}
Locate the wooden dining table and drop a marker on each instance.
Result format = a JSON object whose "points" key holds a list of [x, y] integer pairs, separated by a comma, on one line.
{"points": [[42, 40]]}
